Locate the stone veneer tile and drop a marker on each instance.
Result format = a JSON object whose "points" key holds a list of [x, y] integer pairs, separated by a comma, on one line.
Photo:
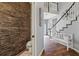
{"points": [[14, 27]]}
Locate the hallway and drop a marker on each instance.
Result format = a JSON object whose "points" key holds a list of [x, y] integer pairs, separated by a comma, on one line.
{"points": [[52, 48]]}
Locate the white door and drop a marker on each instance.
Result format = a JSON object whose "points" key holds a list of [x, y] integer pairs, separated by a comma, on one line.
{"points": [[36, 29]]}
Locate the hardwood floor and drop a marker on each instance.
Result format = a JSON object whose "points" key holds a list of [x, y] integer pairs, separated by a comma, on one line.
{"points": [[52, 48]]}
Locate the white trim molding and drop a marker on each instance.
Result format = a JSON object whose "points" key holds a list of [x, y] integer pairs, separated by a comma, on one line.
{"points": [[41, 52]]}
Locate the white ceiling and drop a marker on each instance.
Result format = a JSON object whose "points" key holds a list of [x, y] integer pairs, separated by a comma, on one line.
{"points": [[49, 15]]}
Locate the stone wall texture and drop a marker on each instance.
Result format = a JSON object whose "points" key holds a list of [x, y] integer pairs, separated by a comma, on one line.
{"points": [[15, 22]]}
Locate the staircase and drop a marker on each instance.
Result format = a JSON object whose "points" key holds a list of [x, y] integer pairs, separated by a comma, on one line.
{"points": [[68, 18]]}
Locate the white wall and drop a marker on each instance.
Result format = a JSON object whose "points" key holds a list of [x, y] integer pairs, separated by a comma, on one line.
{"points": [[74, 28], [39, 33]]}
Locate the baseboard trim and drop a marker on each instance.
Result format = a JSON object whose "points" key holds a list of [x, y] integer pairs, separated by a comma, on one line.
{"points": [[75, 50], [61, 42], [40, 54]]}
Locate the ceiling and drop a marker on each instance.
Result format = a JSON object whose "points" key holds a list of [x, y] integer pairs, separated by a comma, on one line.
{"points": [[49, 15]]}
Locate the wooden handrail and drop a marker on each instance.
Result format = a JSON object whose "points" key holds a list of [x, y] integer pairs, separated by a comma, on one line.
{"points": [[63, 15], [48, 7]]}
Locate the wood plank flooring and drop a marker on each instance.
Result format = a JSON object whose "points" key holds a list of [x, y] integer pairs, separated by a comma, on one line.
{"points": [[52, 48]]}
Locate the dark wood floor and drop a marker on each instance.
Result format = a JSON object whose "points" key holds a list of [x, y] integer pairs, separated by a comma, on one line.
{"points": [[52, 48]]}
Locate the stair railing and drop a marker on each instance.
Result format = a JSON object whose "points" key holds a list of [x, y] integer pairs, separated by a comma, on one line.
{"points": [[65, 14], [69, 13]]}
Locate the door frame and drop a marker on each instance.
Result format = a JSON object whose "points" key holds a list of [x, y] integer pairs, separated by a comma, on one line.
{"points": [[33, 27]]}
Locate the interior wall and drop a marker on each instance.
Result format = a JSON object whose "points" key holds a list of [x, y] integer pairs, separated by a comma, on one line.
{"points": [[15, 22], [73, 29]]}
